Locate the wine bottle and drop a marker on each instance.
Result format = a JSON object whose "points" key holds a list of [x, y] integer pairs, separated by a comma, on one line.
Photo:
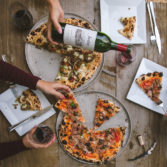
{"points": [[87, 39]]}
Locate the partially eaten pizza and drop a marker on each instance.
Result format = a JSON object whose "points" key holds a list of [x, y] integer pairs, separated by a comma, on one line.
{"points": [[87, 144], [129, 26], [78, 65], [151, 84], [29, 101]]}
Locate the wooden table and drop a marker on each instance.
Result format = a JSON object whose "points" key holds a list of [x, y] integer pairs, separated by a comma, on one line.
{"points": [[150, 125]]}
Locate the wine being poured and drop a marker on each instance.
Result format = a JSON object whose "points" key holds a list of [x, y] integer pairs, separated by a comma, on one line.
{"points": [[87, 39]]}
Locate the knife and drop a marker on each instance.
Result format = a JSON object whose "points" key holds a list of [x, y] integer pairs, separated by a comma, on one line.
{"points": [[37, 114], [158, 40], [149, 152]]}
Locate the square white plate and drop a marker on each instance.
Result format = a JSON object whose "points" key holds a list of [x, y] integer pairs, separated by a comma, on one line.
{"points": [[7, 99], [137, 95], [113, 10]]}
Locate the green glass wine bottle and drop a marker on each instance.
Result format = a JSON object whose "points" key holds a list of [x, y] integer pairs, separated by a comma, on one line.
{"points": [[87, 39]]}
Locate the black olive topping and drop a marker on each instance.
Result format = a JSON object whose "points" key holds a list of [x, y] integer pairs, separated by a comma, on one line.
{"points": [[107, 117], [64, 142], [97, 124], [33, 33], [63, 123], [38, 30], [39, 40], [143, 78], [160, 74], [149, 74], [87, 144], [83, 79]]}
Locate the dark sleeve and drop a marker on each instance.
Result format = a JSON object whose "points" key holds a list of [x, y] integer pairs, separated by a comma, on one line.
{"points": [[11, 148], [11, 73]]}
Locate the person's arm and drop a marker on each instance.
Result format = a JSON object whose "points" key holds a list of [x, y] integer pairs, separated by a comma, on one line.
{"points": [[11, 73], [8, 149], [56, 15]]}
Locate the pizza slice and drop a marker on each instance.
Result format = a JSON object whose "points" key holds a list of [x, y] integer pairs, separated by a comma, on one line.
{"points": [[129, 26], [70, 106], [104, 111], [151, 84], [78, 68], [109, 142], [29, 101]]}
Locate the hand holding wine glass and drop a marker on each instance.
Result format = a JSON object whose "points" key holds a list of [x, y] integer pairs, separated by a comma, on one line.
{"points": [[30, 142]]}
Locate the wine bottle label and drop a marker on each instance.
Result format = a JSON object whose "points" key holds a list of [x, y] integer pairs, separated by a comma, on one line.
{"points": [[79, 37]]}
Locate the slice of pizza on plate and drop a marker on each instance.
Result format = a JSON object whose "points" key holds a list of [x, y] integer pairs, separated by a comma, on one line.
{"points": [[70, 106], [129, 26], [29, 101], [104, 111], [151, 84]]}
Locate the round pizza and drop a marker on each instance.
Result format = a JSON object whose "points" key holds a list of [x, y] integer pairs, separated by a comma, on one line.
{"points": [[78, 65], [88, 144]]}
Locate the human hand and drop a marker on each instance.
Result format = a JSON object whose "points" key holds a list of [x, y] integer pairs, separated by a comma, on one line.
{"points": [[56, 15], [29, 142], [52, 88]]}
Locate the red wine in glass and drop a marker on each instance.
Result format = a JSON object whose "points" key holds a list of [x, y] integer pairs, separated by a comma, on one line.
{"points": [[124, 58], [43, 134], [21, 17]]}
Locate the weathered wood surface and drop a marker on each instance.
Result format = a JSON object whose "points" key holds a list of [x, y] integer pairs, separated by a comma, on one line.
{"points": [[150, 125]]}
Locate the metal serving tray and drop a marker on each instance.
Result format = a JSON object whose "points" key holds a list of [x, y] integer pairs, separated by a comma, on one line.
{"points": [[45, 64]]}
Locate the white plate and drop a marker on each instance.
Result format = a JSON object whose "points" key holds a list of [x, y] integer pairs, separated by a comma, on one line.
{"points": [[113, 10], [137, 95], [7, 99]]}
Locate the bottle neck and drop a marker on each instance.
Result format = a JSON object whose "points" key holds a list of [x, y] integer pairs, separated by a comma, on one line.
{"points": [[120, 47]]}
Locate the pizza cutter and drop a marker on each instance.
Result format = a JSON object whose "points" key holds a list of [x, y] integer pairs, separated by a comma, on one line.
{"points": [[146, 153]]}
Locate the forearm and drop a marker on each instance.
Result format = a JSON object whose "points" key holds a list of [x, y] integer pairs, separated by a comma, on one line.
{"points": [[11, 73], [8, 149]]}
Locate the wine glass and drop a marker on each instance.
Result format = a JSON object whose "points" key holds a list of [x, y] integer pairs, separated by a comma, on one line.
{"points": [[43, 134], [124, 58], [21, 17]]}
